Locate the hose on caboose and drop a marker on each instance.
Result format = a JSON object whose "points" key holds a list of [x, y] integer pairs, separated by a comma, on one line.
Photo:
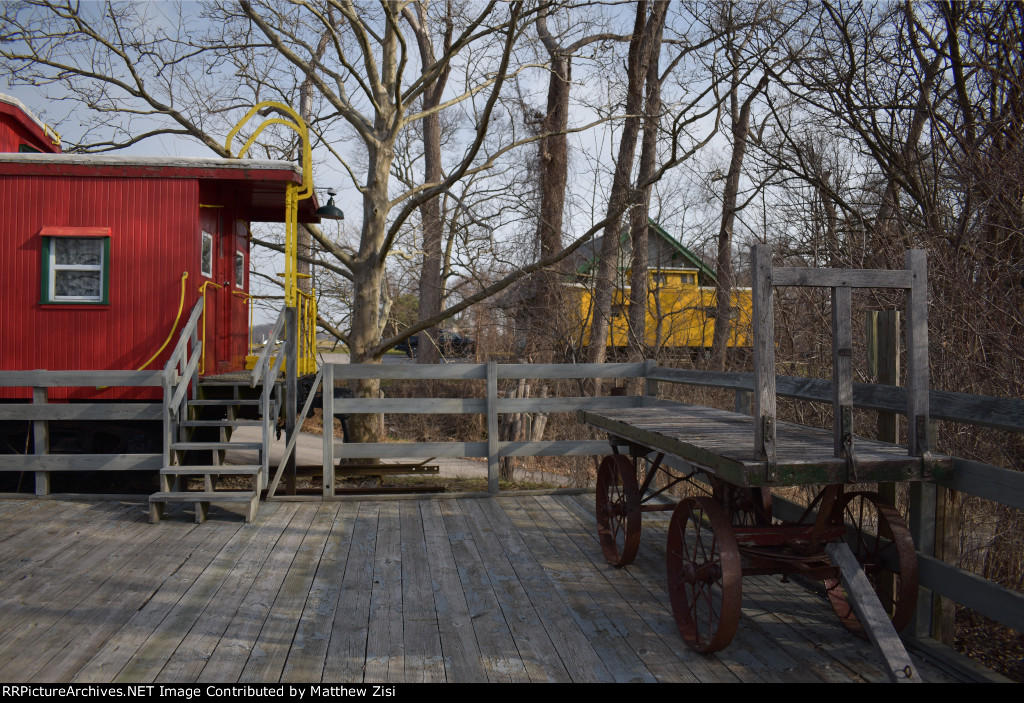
{"points": [[177, 319]]}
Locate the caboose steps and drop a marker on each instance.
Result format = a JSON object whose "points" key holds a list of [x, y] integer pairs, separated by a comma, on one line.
{"points": [[200, 437], [220, 423], [202, 446], [223, 470], [202, 500]]}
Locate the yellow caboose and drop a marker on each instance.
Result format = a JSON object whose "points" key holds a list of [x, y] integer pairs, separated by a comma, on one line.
{"points": [[680, 300]]}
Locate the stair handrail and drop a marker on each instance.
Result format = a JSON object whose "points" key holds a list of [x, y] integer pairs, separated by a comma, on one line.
{"points": [[182, 345], [260, 369]]}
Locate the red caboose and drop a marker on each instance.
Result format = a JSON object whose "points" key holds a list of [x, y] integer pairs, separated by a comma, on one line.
{"points": [[101, 257]]}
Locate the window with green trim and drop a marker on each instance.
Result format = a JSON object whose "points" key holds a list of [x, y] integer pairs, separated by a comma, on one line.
{"points": [[76, 270]]}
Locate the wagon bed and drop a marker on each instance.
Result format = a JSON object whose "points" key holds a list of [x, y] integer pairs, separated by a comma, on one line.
{"points": [[721, 443]]}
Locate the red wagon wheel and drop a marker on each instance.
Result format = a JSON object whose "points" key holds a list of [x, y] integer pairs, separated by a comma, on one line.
{"points": [[704, 574], [750, 507], [618, 509], [890, 563]]}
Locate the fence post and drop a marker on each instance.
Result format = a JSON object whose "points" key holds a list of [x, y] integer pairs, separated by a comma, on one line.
{"points": [[650, 385], [883, 354], [492, 427], [328, 418], [41, 437]]}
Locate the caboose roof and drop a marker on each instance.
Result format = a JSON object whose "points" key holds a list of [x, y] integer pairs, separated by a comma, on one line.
{"points": [[45, 138], [257, 186]]}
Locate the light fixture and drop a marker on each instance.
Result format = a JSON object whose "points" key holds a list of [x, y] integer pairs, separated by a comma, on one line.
{"points": [[330, 211]]}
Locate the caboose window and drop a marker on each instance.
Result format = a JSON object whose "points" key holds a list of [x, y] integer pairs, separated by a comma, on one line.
{"points": [[239, 270], [75, 269], [206, 263]]}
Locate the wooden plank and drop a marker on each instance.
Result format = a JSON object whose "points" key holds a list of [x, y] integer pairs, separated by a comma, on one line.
{"points": [[530, 646], [979, 594], [222, 657], [462, 660], [575, 516], [183, 339], [270, 650], [33, 605], [842, 371], [241, 599], [385, 645], [492, 429], [346, 652], [591, 620], [552, 371], [109, 658], [247, 547], [615, 598], [981, 410], [567, 405], [424, 659], [498, 654], [717, 441], [79, 379], [1004, 486], [872, 615], [308, 650], [41, 442], [917, 354], [81, 462], [191, 369], [93, 621], [573, 644], [400, 450], [409, 371], [764, 356], [584, 447], [328, 431], [410, 406], [539, 655], [44, 531], [841, 278], [80, 411]]}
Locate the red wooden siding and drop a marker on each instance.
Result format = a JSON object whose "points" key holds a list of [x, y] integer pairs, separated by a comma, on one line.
{"points": [[154, 238]]}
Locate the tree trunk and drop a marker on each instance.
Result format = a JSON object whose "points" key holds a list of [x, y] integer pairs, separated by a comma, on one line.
{"points": [[607, 269], [638, 296], [723, 266]]}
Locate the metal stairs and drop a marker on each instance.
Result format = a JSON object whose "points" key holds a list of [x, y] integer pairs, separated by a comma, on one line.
{"points": [[198, 452]]}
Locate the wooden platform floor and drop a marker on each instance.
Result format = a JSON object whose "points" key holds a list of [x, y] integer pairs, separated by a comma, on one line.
{"points": [[507, 589]]}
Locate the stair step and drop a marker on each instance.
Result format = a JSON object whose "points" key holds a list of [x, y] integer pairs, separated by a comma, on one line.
{"points": [[221, 423], [202, 496], [226, 401], [185, 446], [224, 470]]}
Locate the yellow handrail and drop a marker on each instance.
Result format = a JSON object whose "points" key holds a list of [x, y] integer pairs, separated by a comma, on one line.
{"points": [[293, 194], [170, 335], [202, 292]]}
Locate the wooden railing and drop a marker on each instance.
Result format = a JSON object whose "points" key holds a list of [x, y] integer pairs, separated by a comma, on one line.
{"points": [[181, 374], [1003, 486], [266, 371], [491, 405]]}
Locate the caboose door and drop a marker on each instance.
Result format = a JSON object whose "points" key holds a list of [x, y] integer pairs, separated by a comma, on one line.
{"points": [[216, 286]]}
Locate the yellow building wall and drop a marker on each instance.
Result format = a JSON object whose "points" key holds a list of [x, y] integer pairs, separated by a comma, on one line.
{"points": [[682, 307]]}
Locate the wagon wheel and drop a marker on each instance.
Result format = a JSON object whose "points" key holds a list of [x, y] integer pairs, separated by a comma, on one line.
{"points": [[890, 565], [744, 506], [704, 574], [618, 509]]}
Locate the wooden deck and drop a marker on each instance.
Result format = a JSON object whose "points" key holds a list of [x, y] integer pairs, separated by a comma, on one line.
{"points": [[489, 589]]}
